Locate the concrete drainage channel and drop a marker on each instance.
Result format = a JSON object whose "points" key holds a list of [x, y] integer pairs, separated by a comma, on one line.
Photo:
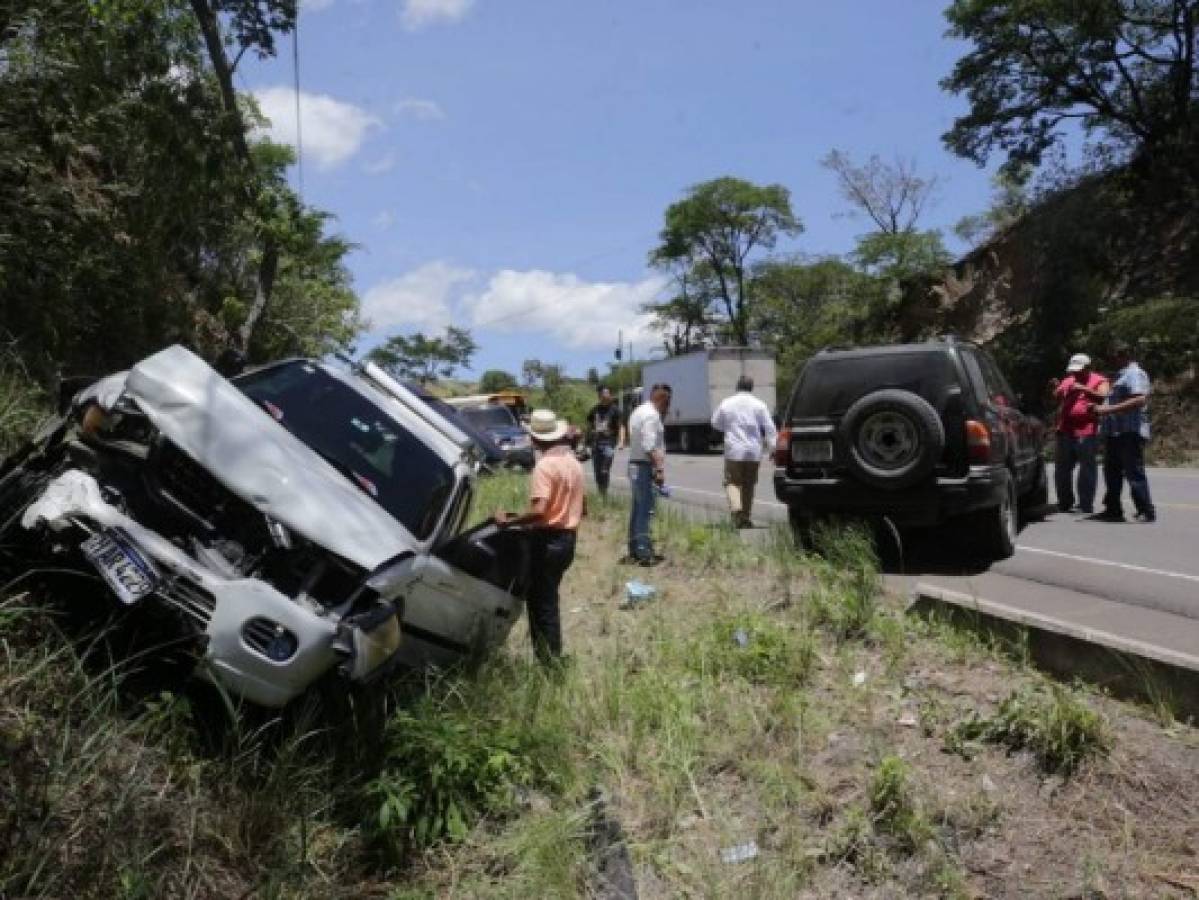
{"points": [[1123, 666]]}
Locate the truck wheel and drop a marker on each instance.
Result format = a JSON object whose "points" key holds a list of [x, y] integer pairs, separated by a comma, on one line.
{"points": [[893, 439], [998, 525]]}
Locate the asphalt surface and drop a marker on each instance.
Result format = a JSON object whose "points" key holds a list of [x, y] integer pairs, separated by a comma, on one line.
{"points": [[1138, 581]]}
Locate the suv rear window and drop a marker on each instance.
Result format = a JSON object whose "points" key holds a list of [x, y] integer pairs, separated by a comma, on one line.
{"points": [[829, 387]]}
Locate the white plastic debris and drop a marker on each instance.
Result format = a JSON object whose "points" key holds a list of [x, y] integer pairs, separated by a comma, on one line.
{"points": [[908, 720], [638, 592], [739, 853], [859, 679]]}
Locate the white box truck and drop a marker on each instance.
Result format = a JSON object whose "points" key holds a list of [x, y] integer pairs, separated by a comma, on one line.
{"points": [[702, 379]]}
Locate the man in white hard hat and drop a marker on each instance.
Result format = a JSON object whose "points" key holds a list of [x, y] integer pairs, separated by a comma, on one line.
{"points": [[1078, 433], [557, 503]]}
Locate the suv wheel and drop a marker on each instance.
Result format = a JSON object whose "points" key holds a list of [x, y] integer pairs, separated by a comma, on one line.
{"points": [[999, 524], [893, 439]]}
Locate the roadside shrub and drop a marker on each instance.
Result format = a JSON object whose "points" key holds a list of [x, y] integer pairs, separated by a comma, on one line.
{"points": [[848, 585], [465, 750], [754, 648], [894, 807], [1054, 725]]}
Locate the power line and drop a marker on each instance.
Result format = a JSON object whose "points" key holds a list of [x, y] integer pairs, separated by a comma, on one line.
{"points": [[295, 68]]}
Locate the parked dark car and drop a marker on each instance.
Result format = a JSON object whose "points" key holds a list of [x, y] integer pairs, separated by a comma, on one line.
{"points": [[498, 423], [490, 453], [917, 433]]}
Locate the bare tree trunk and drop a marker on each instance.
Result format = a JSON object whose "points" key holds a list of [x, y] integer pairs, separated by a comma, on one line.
{"points": [[268, 265]]}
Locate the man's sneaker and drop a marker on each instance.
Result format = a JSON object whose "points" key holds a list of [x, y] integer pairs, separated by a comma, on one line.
{"points": [[1067, 507], [649, 561], [1107, 515], [1147, 518]]}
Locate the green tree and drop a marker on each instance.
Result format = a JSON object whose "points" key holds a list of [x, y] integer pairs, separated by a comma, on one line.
{"points": [[722, 223], [494, 380], [1125, 70], [804, 305], [127, 216], [686, 319], [1010, 201], [426, 358]]}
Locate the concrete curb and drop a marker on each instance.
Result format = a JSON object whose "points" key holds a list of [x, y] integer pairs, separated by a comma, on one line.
{"points": [[1125, 666]]}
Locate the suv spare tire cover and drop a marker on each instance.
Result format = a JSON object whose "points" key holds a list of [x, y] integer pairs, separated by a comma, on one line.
{"points": [[892, 438]]}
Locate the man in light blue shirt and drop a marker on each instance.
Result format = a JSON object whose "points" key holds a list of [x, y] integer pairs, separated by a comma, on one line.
{"points": [[1124, 424]]}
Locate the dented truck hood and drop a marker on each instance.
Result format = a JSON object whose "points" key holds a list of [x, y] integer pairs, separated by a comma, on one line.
{"points": [[256, 458]]}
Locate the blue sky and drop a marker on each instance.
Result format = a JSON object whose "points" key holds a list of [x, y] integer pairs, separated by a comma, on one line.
{"points": [[504, 164]]}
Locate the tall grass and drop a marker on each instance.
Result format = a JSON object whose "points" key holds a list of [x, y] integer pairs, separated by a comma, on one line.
{"points": [[23, 405]]}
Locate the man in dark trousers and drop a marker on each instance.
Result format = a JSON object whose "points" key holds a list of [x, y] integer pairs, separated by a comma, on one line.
{"points": [[557, 503], [605, 436], [1124, 424], [1077, 433]]}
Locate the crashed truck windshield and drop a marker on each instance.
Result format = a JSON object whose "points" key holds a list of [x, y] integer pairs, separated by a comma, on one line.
{"points": [[357, 438]]}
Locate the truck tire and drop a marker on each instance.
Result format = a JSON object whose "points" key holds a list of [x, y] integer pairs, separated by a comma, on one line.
{"points": [[892, 438], [999, 524]]}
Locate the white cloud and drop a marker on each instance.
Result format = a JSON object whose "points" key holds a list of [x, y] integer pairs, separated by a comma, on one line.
{"points": [[420, 299], [384, 219], [380, 166], [579, 314], [426, 110], [417, 14], [333, 131]]}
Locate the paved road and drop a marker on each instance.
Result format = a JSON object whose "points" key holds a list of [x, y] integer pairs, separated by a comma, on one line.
{"points": [[1131, 579]]}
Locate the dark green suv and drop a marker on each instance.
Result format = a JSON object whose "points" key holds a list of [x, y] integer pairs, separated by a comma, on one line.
{"points": [[916, 433]]}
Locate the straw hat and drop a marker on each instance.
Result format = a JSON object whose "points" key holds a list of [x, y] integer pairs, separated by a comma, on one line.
{"points": [[546, 427]]}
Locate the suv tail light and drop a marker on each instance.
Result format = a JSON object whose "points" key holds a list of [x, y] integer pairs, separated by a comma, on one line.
{"points": [[978, 442], [782, 447]]}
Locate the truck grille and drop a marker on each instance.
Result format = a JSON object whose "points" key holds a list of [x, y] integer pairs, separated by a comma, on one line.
{"points": [[190, 599], [189, 488]]}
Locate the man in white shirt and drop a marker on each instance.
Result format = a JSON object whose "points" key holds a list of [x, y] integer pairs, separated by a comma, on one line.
{"points": [[647, 460], [748, 431]]}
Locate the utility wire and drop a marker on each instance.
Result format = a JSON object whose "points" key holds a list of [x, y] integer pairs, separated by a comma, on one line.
{"points": [[295, 68]]}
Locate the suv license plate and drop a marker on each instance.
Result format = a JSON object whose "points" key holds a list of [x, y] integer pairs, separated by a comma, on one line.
{"points": [[812, 451], [123, 568]]}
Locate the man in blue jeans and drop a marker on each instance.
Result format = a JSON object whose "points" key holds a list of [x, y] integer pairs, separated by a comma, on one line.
{"points": [[647, 460], [1124, 424]]}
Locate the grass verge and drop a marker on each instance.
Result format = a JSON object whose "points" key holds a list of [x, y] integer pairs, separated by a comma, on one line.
{"points": [[766, 699]]}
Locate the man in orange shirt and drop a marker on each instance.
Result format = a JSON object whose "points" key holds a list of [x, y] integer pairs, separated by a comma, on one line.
{"points": [[557, 503]]}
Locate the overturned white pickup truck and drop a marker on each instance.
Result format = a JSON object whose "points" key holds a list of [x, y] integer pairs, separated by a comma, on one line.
{"points": [[297, 519]]}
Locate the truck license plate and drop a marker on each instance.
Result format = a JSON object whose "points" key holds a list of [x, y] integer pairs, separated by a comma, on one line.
{"points": [[812, 451], [122, 567]]}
